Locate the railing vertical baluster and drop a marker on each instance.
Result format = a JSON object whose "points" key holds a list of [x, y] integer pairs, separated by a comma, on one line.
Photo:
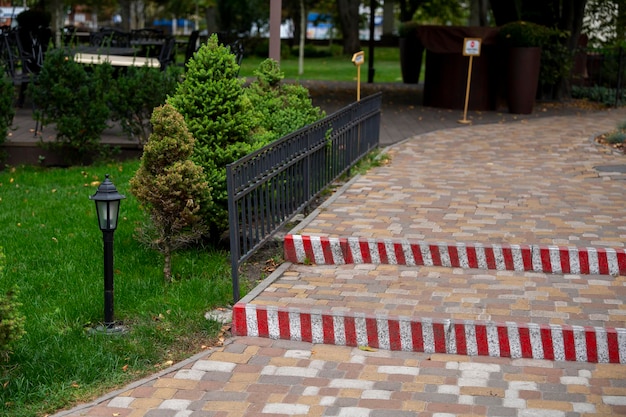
{"points": [[268, 187], [618, 89]]}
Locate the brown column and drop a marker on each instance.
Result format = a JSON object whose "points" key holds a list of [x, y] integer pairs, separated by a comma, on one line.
{"points": [[275, 14]]}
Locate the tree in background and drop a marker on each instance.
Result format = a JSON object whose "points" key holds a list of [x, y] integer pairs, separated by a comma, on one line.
{"points": [[348, 12], [563, 16], [605, 22]]}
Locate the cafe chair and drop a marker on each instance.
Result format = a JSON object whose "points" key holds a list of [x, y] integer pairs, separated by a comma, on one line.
{"points": [[22, 57], [110, 37], [167, 55], [192, 46]]}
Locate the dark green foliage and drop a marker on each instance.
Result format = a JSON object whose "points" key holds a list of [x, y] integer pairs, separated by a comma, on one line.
{"points": [[33, 18], [139, 91], [219, 115], [75, 100], [11, 321], [7, 111], [311, 51], [604, 95], [408, 29], [556, 61], [170, 186], [280, 108], [523, 34], [616, 137]]}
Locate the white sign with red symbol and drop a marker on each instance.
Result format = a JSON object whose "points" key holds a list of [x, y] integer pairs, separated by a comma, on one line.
{"points": [[471, 47]]}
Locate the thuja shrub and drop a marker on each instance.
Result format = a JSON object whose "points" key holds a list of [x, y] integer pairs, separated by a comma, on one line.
{"points": [[75, 100], [219, 115], [279, 108], [11, 320], [170, 187], [138, 91]]}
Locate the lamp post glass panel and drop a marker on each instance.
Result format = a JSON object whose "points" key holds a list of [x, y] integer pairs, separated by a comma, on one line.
{"points": [[107, 201]]}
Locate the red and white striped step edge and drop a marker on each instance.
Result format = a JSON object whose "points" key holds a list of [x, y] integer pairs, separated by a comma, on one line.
{"points": [[550, 342], [549, 259]]}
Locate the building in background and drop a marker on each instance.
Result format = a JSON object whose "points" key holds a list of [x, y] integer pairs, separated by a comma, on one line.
{"points": [[8, 14]]}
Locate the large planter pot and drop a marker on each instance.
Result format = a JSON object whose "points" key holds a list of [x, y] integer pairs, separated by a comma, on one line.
{"points": [[523, 79], [411, 52]]}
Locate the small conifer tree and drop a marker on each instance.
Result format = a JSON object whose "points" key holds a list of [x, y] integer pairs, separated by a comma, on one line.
{"points": [[219, 116], [170, 187]]}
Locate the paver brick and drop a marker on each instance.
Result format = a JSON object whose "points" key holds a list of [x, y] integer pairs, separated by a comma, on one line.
{"points": [[471, 211]]}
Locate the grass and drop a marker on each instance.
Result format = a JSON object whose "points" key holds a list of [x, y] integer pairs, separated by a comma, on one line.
{"points": [[337, 68], [54, 254]]}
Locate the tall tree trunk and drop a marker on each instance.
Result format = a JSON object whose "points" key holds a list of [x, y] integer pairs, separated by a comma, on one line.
{"points": [[302, 38], [505, 11], [620, 24], [349, 18], [125, 6], [167, 262], [571, 21], [57, 20], [210, 17], [478, 13]]}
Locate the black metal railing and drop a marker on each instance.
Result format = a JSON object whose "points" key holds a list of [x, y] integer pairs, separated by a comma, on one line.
{"points": [[267, 188], [601, 72]]}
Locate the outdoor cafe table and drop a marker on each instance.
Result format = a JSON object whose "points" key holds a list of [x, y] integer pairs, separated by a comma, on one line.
{"points": [[104, 50], [116, 56], [117, 60]]}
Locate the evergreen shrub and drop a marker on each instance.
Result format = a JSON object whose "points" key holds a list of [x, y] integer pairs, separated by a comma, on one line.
{"points": [[170, 187], [280, 108], [219, 115], [75, 100], [138, 91]]}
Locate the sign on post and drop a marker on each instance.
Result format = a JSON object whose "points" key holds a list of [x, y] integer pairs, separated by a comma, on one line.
{"points": [[471, 48], [358, 59]]}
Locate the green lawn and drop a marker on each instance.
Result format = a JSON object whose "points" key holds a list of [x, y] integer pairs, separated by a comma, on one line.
{"points": [[336, 68], [54, 254]]}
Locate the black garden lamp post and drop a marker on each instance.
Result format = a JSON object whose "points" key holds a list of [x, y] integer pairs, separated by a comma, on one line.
{"points": [[108, 207]]}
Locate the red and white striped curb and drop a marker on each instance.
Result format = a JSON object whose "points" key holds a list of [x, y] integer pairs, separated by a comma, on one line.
{"points": [[550, 342], [550, 259]]}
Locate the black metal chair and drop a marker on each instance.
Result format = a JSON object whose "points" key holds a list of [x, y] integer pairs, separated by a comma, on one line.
{"points": [[192, 46], [236, 48], [149, 40], [22, 56], [147, 34], [167, 56], [110, 37]]}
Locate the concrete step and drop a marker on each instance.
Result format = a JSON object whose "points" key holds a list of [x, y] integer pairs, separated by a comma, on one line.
{"points": [[322, 250], [437, 309]]}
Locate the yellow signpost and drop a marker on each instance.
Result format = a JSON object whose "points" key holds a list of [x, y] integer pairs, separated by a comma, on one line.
{"points": [[358, 59], [471, 48]]}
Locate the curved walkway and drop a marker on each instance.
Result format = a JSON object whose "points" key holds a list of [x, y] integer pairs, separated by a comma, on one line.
{"points": [[541, 182]]}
